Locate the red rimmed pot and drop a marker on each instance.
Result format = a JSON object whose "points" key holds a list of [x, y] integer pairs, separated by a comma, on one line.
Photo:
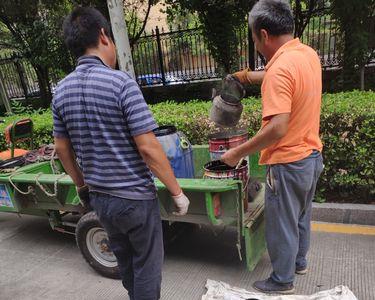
{"points": [[216, 169], [221, 142]]}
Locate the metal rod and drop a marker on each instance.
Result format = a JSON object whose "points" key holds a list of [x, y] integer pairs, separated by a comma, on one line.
{"points": [[160, 53]]}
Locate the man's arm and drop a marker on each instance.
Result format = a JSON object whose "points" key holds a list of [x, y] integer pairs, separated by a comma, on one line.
{"points": [[247, 76], [66, 155], [140, 124], [153, 154], [155, 158], [267, 136]]}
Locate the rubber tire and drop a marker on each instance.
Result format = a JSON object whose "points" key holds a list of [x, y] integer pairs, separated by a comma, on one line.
{"points": [[85, 223]]}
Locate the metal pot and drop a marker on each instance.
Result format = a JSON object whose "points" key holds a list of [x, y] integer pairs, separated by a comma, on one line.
{"points": [[225, 114], [216, 169], [221, 142]]}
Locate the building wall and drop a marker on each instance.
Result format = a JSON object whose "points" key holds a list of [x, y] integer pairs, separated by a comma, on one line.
{"points": [[156, 18]]}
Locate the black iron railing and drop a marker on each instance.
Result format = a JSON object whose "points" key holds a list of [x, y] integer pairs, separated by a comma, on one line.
{"points": [[168, 57], [182, 56], [19, 77]]}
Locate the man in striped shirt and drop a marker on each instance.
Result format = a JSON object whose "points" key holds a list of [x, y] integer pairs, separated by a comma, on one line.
{"points": [[104, 139]]}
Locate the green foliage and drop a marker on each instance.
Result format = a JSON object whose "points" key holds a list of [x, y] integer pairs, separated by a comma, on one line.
{"points": [[347, 132], [221, 21], [303, 12], [5, 40], [43, 125], [136, 16], [19, 109], [178, 17], [35, 29], [356, 22]]}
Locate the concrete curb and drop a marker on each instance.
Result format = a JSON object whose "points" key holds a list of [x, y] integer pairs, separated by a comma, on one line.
{"points": [[362, 214]]}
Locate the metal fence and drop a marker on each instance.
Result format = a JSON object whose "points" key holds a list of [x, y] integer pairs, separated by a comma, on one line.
{"points": [[182, 56], [322, 34], [168, 57], [18, 76]]}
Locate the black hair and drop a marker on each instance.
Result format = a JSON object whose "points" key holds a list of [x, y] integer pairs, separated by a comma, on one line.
{"points": [[81, 29], [274, 16]]}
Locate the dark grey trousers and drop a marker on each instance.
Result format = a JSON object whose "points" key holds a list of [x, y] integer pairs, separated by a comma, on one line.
{"points": [[289, 193], [136, 238]]}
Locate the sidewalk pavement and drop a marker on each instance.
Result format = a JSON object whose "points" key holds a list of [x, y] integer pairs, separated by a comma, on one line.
{"points": [[38, 263]]}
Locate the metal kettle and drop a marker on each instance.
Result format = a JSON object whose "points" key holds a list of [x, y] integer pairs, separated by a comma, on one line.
{"points": [[226, 106]]}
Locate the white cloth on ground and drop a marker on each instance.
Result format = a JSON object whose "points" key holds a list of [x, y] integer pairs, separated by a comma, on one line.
{"points": [[218, 290]]}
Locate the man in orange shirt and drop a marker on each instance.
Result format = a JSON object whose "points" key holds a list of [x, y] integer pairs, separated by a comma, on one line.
{"points": [[288, 140]]}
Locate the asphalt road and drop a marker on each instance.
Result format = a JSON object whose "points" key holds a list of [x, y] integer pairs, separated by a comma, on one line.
{"points": [[38, 263]]}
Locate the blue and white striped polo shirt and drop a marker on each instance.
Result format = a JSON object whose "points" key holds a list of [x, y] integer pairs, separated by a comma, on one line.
{"points": [[100, 109]]}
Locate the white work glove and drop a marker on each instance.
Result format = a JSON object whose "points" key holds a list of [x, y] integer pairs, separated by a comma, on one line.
{"points": [[182, 203]]}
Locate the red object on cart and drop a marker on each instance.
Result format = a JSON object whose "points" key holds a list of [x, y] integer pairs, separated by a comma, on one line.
{"points": [[221, 142]]}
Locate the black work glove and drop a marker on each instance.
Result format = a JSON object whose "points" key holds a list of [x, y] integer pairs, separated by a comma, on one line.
{"points": [[84, 197]]}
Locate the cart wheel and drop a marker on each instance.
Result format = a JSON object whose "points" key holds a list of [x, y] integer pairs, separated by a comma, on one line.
{"points": [[92, 240]]}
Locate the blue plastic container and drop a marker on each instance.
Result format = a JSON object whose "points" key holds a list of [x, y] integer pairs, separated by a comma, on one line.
{"points": [[178, 150]]}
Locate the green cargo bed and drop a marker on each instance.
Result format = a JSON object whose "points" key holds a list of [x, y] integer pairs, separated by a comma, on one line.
{"points": [[36, 190]]}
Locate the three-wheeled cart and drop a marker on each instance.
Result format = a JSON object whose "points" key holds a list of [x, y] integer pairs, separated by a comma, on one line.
{"points": [[43, 189]]}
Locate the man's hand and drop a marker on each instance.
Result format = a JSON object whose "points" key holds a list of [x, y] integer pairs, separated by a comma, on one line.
{"points": [[182, 203], [231, 157], [242, 76], [271, 133], [67, 157], [84, 196]]}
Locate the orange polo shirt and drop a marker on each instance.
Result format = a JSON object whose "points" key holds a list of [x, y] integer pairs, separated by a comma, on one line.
{"points": [[293, 84]]}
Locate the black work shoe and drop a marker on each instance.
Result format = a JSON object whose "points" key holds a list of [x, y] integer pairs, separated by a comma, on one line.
{"points": [[301, 270], [269, 286]]}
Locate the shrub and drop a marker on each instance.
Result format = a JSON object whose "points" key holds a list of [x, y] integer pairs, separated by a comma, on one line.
{"points": [[347, 131], [348, 134]]}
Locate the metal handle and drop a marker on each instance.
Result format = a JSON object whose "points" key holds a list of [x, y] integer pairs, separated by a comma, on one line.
{"points": [[184, 143]]}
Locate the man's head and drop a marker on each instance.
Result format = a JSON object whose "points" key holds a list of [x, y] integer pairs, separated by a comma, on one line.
{"points": [[86, 31], [271, 21]]}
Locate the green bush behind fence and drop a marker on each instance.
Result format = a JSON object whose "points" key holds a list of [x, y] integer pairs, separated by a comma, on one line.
{"points": [[347, 132]]}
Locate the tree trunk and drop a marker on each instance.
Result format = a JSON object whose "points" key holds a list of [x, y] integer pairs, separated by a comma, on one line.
{"points": [[350, 79], [44, 85]]}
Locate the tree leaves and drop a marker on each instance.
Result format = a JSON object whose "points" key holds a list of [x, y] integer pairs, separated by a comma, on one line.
{"points": [[221, 20]]}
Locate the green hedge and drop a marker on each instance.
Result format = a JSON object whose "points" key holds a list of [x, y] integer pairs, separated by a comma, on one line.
{"points": [[347, 131]]}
